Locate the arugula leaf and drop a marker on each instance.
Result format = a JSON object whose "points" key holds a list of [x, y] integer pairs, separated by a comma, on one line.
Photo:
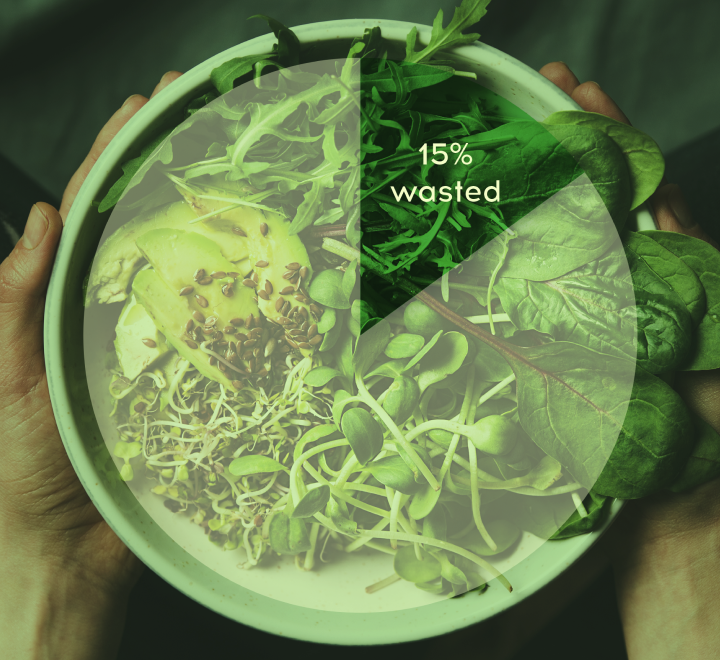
{"points": [[466, 15]]}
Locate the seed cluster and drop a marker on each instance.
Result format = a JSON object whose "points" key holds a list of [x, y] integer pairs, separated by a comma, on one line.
{"points": [[246, 348]]}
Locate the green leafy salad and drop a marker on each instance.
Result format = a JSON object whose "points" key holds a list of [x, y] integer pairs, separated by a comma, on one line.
{"points": [[306, 362]]}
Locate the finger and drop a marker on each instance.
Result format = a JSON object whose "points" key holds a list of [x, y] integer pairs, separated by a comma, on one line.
{"points": [[24, 277], [108, 132], [560, 74], [673, 214], [169, 77], [591, 98]]}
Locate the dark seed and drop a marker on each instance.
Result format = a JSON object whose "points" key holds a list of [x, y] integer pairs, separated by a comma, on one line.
{"points": [[201, 301], [256, 352], [229, 355], [300, 298], [229, 330], [139, 407], [249, 282], [305, 345], [199, 274], [250, 321], [288, 274], [208, 331], [284, 349], [268, 287], [218, 274], [227, 290], [198, 333], [189, 326], [222, 344], [186, 291], [247, 354], [233, 274], [263, 372], [315, 340], [315, 309], [263, 294], [198, 316], [237, 322], [262, 263], [249, 343], [255, 277], [284, 320], [251, 364], [212, 361], [149, 342], [304, 312], [312, 331], [295, 277], [264, 229], [237, 384], [287, 290], [238, 231], [191, 343], [205, 280], [221, 366], [304, 272], [293, 266], [255, 333], [291, 342], [218, 335], [279, 304]]}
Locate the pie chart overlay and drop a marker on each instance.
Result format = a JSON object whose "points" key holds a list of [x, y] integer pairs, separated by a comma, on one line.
{"points": [[360, 335]]}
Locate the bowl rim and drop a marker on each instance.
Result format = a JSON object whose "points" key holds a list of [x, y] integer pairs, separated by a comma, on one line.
{"points": [[450, 615]]}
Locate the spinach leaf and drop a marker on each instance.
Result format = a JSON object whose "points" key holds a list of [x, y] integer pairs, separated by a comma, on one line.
{"points": [[614, 305], [597, 507], [642, 154], [704, 260], [653, 445], [672, 270], [602, 161], [704, 462], [577, 406]]}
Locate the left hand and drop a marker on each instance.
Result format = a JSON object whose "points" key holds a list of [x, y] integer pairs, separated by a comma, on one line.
{"points": [[55, 546]]}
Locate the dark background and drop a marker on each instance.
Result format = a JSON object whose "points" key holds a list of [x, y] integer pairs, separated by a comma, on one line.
{"points": [[67, 65]]}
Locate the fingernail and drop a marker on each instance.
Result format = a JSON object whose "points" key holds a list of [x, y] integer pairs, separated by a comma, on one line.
{"points": [[592, 82], [129, 98], [679, 206], [35, 228]]}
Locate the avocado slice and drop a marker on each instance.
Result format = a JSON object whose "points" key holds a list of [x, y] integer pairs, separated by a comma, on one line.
{"points": [[138, 343], [274, 254], [170, 312], [177, 255], [118, 258]]}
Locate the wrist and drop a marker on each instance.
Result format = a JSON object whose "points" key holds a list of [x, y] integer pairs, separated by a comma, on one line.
{"points": [[54, 609], [667, 579]]}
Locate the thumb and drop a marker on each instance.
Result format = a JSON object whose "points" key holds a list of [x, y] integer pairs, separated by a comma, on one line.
{"points": [[24, 278], [673, 214]]}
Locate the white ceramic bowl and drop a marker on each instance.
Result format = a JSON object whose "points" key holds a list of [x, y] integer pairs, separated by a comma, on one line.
{"points": [[86, 448]]}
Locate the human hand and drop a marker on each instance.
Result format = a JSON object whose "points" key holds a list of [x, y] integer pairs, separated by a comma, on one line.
{"points": [[665, 549], [65, 574]]}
